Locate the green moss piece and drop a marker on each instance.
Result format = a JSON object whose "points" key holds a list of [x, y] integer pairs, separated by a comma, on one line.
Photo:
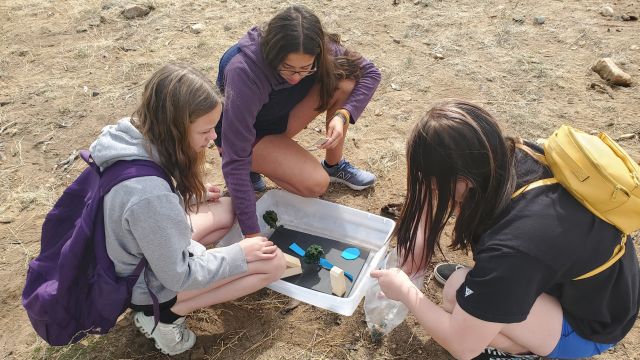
{"points": [[312, 255], [271, 218]]}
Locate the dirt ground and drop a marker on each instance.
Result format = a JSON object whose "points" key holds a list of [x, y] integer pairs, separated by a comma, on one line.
{"points": [[55, 54]]}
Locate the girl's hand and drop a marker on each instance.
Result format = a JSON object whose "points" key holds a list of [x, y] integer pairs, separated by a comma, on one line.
{"points": [[394, 283], [214, 192], [335, 132], [258, 248]]}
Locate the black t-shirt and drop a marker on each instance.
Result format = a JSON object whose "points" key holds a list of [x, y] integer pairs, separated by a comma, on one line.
{"points": [[541, 241]]}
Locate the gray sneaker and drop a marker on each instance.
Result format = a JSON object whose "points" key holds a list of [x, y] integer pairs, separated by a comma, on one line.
{"points": [[171, 339], [345, 173], [258, 183]]}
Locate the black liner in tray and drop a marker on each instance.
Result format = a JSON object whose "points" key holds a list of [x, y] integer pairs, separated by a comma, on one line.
{"points": [[316, 277]]}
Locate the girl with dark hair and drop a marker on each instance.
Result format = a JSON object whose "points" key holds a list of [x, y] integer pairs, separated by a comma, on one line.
{"points": [[276, 80], [144, 218], [520, 297]]}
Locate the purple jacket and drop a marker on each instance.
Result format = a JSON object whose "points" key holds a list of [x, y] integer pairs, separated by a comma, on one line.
{"points": [[248, 80]]}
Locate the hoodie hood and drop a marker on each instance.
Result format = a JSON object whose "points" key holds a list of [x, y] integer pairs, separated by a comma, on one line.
{"points": [[250, 46], [119, 142]]}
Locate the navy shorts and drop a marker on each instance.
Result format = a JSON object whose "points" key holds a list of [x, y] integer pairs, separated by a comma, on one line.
{"points": [[572, 346], [273, 117]]}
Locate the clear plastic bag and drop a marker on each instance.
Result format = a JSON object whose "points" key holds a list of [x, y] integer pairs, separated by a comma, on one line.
{"points": [[383, 314]]}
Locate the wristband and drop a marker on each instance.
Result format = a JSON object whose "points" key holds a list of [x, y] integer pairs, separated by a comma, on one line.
{"points": [[344, 119]]}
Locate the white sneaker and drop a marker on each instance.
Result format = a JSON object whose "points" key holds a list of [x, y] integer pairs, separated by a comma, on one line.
{"points": [[171, 339]]}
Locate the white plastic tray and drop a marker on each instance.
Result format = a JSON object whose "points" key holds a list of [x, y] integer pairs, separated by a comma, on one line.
{"points": [[333, 221]]}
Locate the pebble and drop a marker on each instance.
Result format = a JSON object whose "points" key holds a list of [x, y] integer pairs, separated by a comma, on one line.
{"points": [[627, 136], [95, 93], [607, 11], [85, 89], [197, 28], [618, 18], [540, 141], [634, 47], [625, 17], [438, 56], [94, 22], [594, 132], [619, 29], [81, 29], [518, 20], [132, 11], [397, 41], [396, 87], [539, 20], [226, 27], [399, 352], [609, 71], [377, 112], [419, 351], [316, 129]]}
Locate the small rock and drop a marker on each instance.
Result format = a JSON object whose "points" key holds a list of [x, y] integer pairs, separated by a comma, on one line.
{"points": [[317, 130], [408, 98], [618, 18], [634, 47], [619, 29], [594, 132], [518, 20], [540, 141], [419, 351], [197, 28], [338, 321], [85, 89], [608, 70], [226, 27], [397, 41], [396, 87], [95, 22], [607, 11], [438, 56], [108, 5], [539, 20], [625, 17], [3, 103], [627, 136], [357, 334], [633, 16], [377, 112], [132, 11], [82, 29], [351, 347], [393, 346], [399, 352], [95, 93]]}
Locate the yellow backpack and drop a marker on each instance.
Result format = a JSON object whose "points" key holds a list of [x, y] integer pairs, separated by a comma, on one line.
{"points": [[599, 174]]}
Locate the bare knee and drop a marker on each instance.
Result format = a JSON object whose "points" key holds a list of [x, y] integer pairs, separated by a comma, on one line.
{"points": [[277, 266], [228, 217], [451, 287], [314, 186]]}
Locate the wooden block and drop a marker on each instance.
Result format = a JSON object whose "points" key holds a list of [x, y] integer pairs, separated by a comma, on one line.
{"points": [[292, 261], [338, 285], [291, 271]]}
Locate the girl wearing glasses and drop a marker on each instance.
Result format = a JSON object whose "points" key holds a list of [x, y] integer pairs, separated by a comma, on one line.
{"points": [[276, 80]]}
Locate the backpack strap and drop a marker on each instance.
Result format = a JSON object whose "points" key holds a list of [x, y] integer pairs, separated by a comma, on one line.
{"points": [[113, 175], [617, 252], [533, 185]]}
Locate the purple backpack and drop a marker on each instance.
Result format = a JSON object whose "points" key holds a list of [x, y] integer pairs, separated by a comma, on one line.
{"points": [[72, 289]]}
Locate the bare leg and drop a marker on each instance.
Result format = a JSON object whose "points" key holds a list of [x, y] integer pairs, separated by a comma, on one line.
{"points": [[539, 333], [260, 274], [288, 164], [213, 221]]}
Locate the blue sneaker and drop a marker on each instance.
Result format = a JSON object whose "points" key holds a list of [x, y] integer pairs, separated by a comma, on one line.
{"points": [[258, 183], [349, 175]]}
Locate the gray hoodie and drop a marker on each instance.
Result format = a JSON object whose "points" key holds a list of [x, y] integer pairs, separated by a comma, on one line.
{"points": [[143, 217]]}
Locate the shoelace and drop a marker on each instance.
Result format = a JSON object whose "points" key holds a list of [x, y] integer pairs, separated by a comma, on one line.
{"points": [[179, 331]]}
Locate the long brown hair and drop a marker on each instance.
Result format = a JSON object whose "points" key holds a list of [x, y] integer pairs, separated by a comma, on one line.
{"points": [[174, 97], [455, 138], [297, 29]]}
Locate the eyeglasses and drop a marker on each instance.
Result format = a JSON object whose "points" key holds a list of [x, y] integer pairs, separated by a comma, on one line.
{"points": [[301, 72]]}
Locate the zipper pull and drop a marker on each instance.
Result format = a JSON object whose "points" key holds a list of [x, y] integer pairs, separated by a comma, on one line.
{"points": [[615, 191], [635, 179]]}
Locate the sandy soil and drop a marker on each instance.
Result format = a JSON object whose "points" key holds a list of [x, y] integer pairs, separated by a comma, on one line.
{"points": [[55, 54]]}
